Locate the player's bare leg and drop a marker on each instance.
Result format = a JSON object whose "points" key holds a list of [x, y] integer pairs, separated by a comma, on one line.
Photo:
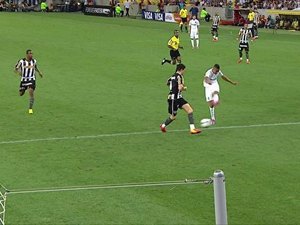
{"points": [[188, 109]]}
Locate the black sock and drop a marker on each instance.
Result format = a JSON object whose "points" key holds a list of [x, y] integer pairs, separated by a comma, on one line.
{"points": [[191, 118], [241, 54], [247, 55], [168, 121], [168, 61]]}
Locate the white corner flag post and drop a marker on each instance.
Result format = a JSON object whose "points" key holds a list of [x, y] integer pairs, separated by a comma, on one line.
{"points": [[220, 198]]}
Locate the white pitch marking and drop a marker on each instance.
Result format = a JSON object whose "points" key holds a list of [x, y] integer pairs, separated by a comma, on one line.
{"points": [[142, 133]]}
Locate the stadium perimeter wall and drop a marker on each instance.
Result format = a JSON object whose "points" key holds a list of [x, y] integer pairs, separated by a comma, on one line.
{"points": [[134, 10]]}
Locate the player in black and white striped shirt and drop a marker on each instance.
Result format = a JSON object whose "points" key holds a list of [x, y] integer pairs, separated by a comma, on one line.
{"points": [[215, 27], [26, 68], [244, 37], [176, 101]]}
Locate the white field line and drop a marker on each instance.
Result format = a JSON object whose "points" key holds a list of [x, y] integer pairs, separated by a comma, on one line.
{"points": [[109, 186], [142, 133]]}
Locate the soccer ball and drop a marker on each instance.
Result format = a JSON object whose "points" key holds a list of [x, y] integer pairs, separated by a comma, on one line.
{"points": [[205, 123]]}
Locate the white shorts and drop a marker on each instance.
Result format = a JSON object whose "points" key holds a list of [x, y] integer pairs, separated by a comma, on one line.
{"points": [[210, 89], [194, 35]]}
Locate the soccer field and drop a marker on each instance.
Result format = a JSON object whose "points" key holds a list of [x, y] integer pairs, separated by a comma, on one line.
{"points": [[96, 122]]}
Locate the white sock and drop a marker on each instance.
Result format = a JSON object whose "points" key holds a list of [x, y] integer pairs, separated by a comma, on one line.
{"points": [[192, 126], [197, 43], [212, 113], [192, 41], [216, 98]]}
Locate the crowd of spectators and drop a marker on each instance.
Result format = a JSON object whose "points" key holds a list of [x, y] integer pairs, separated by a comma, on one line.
{"points": [[287, 23], [20, 5], [39, 5], [259, 4], [12, 6], [269, 4]]}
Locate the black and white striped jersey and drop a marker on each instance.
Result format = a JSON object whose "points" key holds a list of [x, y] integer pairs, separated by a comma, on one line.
{"points": [[216, 20], [27, 69], [173, 83], [244, 35]]}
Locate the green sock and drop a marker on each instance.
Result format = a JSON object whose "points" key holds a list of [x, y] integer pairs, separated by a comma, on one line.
{"points": [[31, 101]]}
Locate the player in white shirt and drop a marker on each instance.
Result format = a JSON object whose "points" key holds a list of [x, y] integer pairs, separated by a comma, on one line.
{"points": [[212, 88], [194, 31]]}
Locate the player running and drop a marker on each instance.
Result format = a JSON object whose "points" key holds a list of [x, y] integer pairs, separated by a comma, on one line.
{"points": [[26, 68], [176, 101], [174, 46], [212, 88], [194, 31]]}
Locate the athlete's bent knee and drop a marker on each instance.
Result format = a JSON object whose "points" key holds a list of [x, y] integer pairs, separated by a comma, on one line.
{"points": [[172, 117]]}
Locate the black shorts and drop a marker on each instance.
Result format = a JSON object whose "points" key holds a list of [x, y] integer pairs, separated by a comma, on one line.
{"points": [[244, 46], [174, 54], [174, 105], [184, 20], [24, 85], [214, 29]]}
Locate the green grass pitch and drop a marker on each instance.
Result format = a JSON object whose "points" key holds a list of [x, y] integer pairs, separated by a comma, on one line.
{"points": [[103, 76]]}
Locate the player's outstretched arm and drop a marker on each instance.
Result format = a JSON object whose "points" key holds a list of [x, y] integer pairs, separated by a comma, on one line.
{"points": [[228, 80]]}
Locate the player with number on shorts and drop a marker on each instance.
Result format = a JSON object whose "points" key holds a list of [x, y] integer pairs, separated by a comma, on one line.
{"points": [[212, 88]]}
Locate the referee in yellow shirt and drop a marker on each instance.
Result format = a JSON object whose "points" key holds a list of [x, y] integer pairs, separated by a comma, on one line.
{"points": [[184, 16], [174, 46], [250, 18]]}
